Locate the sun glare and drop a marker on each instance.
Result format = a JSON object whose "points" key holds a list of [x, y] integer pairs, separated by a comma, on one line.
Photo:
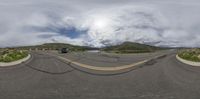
{"points": [[100, 22]]}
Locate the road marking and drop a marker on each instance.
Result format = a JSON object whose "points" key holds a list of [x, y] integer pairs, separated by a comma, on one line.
{"points": [[103, 68]]}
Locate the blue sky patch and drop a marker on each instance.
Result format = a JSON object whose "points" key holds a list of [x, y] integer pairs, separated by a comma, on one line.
{"points": [[71, 32]]}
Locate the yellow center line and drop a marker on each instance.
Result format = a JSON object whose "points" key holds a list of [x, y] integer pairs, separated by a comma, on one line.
{"points": [[103, 68]]}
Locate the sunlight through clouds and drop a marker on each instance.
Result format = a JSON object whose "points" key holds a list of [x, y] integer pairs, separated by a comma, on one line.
{"points": [[100, 23]]}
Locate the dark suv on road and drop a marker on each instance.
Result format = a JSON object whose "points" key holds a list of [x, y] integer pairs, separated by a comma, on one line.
{"points": [[64, 50]]}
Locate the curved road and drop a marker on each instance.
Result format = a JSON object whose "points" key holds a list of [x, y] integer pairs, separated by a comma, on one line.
{"points": [[46, 77]]}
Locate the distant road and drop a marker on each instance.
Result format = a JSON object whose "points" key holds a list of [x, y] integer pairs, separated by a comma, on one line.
{"points": [[46, 77]]}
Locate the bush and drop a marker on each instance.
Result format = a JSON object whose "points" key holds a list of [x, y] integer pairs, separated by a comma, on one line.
{"points": [[10, 56], [191, 55]]}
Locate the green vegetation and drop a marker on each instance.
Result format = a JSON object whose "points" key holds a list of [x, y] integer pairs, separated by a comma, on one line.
{"points": [[190, 54], [129, 47], [12, 55], [55, 46]]}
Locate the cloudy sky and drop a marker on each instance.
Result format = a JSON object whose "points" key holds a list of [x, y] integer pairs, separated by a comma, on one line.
{"points": [[100, 22]]}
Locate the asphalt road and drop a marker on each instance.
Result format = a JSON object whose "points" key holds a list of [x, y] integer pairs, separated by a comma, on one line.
{"points": [[106, 59], [46, 77]]}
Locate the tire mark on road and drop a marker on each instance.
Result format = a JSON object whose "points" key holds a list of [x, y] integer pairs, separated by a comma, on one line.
{"points": [[45, 71], [53, 73]]}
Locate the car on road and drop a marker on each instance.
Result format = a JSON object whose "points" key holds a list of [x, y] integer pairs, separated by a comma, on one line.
{"points": [[64, 50]]}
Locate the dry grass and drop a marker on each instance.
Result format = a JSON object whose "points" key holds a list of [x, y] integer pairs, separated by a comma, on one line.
{"points": [[190, 54]]}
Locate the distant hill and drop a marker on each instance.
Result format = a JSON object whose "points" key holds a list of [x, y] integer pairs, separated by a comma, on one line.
{"points": [[55, 46], [126, 47], [130, 47]]}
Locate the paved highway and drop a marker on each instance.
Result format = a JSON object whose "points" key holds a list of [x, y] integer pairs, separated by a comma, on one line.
{"points": [[46, 77], [108, 60]]}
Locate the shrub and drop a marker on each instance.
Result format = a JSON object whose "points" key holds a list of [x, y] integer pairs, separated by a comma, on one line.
{"points": [[10, 56], [191, 55]]}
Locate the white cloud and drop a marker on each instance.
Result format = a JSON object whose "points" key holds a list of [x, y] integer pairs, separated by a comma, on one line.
{"points": [[119, 24], [105, 23]]}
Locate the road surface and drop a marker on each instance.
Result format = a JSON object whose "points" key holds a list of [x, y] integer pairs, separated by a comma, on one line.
{"points": [[46, 77]]}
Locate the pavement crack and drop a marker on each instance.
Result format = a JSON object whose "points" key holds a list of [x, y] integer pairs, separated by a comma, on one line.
{"points": [[48, 72], [151, 62]]}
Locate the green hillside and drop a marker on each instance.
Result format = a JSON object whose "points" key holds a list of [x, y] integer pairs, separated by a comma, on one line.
{"points": [[126, 47], [130, 47], [55, 46]]}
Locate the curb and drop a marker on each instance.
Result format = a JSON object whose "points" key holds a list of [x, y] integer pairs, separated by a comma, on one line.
{"points": [[3, 64], [187, 62], [107, 70]]}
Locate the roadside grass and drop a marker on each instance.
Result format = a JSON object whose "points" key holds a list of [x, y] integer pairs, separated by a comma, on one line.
{"points": [[190, 54], [12, 55]]}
